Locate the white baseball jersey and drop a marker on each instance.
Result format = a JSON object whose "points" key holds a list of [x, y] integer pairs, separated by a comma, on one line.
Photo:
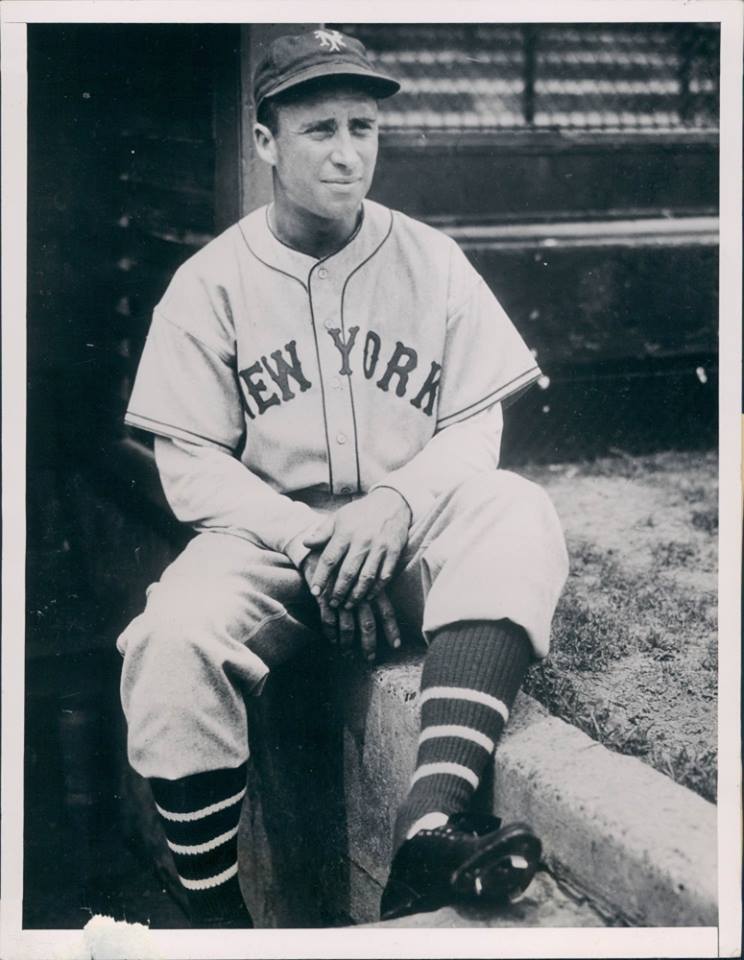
{"points": [[326, 374]]}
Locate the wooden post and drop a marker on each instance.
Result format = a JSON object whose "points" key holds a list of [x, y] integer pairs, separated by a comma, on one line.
{"points": [[255, 175], [242, 180]]}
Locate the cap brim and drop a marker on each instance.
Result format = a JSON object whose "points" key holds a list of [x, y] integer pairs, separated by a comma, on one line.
{"points": [[382, 85]]}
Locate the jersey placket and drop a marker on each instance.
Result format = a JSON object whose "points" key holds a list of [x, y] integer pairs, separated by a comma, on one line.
{"points": [[324, 287]]}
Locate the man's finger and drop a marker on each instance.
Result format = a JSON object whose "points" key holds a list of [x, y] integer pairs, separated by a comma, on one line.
{"points": [[330, 558], [321, 534], [346, 629], [347, 576], [367, 630], [329, 622], [390, 563], [387, 619], [366, 580]]}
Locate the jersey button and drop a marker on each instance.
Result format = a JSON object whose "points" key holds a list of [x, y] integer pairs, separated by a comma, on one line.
{"points": [[341, 438], [322, 273], [328, 323], [336, 383]]}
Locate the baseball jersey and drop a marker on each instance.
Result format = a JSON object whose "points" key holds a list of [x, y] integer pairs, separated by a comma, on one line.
{"points": [[328, 374]]}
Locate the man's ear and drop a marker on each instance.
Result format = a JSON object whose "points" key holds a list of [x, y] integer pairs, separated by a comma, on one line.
{"points": [[265, 143]]}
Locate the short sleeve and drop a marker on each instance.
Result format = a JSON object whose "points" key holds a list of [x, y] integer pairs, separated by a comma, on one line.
{"points": [[486, 361], [185, 389]]}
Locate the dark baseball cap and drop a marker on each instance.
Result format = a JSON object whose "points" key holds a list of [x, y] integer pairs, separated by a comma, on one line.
{"points": [[292, 60]]}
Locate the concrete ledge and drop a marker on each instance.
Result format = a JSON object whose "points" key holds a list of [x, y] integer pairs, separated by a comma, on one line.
{"points": [[641, 844], [544, 905], [334, 748]]}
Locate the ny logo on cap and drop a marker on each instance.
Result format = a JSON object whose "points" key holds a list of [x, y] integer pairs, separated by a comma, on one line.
{"points": [[331, 39]]}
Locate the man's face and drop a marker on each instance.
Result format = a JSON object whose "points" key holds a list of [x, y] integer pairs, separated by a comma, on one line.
{"points": [[324, 152]]}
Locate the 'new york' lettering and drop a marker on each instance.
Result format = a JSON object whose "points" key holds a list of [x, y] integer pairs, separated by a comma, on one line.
{"points": [[280, 372], [396, 373]]}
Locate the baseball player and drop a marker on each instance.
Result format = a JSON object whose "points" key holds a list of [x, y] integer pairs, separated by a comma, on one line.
{"points": [[325, 383]]}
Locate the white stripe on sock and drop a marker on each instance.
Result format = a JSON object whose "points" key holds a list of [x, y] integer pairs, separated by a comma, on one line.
{"points": [[204, 812], [205, 847], [455, 730], [429, 821], [456, 769], [465, 693], [208, 882]]}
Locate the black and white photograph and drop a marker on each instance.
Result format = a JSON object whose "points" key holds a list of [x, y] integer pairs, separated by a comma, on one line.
{"points": [[372, 480]]}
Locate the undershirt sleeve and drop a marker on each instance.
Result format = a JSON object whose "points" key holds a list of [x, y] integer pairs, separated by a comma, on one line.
{"points": [[211, 490]]}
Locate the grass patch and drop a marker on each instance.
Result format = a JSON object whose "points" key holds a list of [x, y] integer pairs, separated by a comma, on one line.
{"points": [[634, 654], [706, 520], [607, 615], [555, 689]]}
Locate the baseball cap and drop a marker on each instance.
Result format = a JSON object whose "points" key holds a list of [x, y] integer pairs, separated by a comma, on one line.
{"points": [[292, 60]]}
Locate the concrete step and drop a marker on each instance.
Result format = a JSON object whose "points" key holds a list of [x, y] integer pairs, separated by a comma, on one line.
{"points": [[643, 845], [544, 904], [323, 800]]}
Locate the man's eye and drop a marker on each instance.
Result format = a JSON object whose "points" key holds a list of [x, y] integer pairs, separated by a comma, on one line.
{"points": [[320, 133]]}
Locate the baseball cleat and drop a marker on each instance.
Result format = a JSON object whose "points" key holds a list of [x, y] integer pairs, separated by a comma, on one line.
{"points": [[471, 859]]}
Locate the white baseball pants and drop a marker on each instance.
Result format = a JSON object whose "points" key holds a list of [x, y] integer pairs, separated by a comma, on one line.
{"points": [[226, 611]]}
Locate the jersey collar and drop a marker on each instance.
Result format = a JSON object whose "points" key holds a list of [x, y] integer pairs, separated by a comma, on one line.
{"points": [[364, 242]]}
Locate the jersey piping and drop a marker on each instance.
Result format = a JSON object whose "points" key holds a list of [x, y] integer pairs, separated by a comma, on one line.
{"points": [[513, 385], [135, 419], [269, 265], [349, 239], [343, 330], [320, 379]]}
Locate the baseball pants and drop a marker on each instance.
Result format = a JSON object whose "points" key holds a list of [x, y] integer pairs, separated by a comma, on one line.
{"points": [[227, 611]]}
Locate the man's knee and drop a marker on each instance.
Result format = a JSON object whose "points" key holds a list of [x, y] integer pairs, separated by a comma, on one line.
{"points": [[193, 609], [507, 507], [177, 620], [184, 677], [499, 493]]}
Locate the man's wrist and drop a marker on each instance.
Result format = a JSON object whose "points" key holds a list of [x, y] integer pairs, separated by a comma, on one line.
{"points": [[297, 551], [385, 487], [411, 488]]}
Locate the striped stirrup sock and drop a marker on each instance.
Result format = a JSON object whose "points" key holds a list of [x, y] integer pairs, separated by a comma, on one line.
{"points": [[471, 675], [200, 815]]}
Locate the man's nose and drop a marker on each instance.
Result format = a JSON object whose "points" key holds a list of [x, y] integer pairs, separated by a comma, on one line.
{"points": [[345, 153]]}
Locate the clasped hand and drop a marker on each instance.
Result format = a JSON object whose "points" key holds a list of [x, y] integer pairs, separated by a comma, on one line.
{"points": [[353, 556]]}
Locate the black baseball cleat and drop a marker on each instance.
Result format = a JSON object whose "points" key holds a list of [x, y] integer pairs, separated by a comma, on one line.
{"points": [[472, 859]]}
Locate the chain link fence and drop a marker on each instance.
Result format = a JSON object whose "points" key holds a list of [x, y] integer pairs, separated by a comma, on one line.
{"points": [[624, 77], [662, 77]]}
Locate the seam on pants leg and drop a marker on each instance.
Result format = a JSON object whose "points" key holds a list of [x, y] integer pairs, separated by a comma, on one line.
{"points": [[262, 623]]}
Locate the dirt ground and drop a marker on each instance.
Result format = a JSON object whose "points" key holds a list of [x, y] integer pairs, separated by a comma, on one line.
{"points": [[634, 657]]}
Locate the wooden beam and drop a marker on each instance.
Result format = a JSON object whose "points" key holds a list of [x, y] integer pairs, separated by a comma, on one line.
{"points": [[647, 231], [255, 176]]}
